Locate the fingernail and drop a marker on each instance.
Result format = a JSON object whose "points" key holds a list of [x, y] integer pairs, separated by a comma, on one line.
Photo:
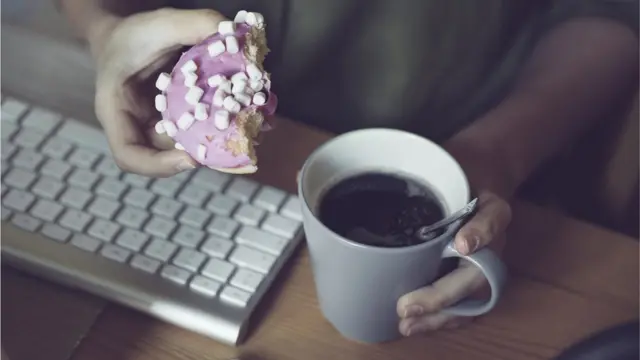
{"points": [[413, 310], [184, 165], [473, 244], [462, 247]]}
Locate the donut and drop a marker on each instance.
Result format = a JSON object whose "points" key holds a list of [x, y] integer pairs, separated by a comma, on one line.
{"points": [[218, 99]]}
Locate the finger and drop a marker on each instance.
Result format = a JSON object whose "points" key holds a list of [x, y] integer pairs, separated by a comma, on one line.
{"points": [[448, 290], [492, 219], [430, 322], [182, 27]]}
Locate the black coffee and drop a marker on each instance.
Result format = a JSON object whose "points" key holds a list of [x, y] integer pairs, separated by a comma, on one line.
{"points": [[379, 209]]}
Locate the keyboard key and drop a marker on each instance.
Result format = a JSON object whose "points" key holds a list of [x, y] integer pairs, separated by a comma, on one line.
{"points": [[189, 259], [75, 220], [261, 240], [19, 179], [103, 230], [8, 150], [83, 179], [281, 225], [246, 280], [18, 200], [139, 198], [27, 159], [222, 205], [235, 296], [48, 188], [136, 180], [56, 148], [12, 110], [83, 158], [132, 239], [28, 138], [194, 217], [85, 243], [5, 213], [166, 207], [4, 189], [211, 180], [166, 187], [269, 198], [75, 198], [193, 196], [175, 274], [160, 249], [26, 222], [144, 263], [115, 253], [159, 227], [218, 269], [204, 286], [46, 210], [249, 214], [253, 259], [55, 232], [84, 135], [41, 119], [111, 188], [56, 169], [8, 130], [132, 217], [223, 226], [108, 167], [292, 209], [242, 189], [217, 247], [189, 237], [104, 208]]}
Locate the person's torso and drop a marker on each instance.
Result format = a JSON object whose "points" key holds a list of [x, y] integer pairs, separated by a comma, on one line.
{"points": [[426, 66]]}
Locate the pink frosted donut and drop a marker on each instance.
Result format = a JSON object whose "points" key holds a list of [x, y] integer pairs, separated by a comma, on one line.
{"points": [[215, 100]]}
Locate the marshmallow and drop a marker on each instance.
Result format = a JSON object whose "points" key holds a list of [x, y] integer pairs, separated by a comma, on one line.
{"points": [[189, 67], [216, 80], [185, 121], [194, 95], [231, 104], [226, 27], [170, 127], [190, 79], [254, 18], [256, 85], [232, 44], [225, 86], [259, 98], [239, 77], [161, 102], [254, 72], [221, 119], [216, 48], [179, 146], [242, 98], [202, 152], [218, 97], [238, 87], [267, 83], [160, 127], [163, 81], [200, 112], [240, 17]]}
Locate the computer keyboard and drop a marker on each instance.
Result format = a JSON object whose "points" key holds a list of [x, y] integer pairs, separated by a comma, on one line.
{"points": [[198, 250]]}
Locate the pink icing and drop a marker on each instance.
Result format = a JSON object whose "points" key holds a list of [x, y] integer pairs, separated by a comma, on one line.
{"points": [[205, 132]]}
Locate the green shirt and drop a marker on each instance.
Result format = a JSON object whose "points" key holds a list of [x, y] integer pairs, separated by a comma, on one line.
{"points": [[426, 66]]}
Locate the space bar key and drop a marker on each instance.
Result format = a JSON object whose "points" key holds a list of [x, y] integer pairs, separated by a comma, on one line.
{"points": [[83, 135]]}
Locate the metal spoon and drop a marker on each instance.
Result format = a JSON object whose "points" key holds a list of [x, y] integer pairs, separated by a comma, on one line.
{"points": [[428, 232]]}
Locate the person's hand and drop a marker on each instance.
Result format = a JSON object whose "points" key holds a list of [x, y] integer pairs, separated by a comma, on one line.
{"points": [[420, 310], [130, 53]]}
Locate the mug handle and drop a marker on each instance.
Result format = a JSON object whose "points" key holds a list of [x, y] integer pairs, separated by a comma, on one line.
{"points": [[492, 268]]}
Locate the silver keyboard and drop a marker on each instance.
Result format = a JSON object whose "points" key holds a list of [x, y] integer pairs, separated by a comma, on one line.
{"points": [[198, 250]]}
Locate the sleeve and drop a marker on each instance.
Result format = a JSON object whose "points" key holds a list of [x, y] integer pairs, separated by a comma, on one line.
{"points": [[623, 11]]}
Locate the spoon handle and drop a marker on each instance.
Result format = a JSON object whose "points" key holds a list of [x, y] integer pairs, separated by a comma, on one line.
{"points": [[424, 231]]}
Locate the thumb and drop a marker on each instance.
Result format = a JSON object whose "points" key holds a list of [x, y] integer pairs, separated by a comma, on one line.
{"points": [[182, 27], [491, 220]]}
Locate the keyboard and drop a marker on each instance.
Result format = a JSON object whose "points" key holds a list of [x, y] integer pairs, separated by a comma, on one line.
{"points": [[198, 250]]}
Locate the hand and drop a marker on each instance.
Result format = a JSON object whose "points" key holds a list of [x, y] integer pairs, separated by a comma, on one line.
{"points": [[419, 310], [130, 54]]}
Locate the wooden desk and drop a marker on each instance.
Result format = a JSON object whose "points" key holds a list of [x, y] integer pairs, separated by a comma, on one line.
{"points": [[569, 279]]}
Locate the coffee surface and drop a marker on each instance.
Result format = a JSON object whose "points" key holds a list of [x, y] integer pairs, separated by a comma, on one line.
{"points": [[379, 209]]}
